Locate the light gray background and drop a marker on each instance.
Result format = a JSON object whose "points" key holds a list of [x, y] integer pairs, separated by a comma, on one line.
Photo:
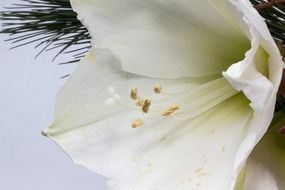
{"points": [[29, 161]]}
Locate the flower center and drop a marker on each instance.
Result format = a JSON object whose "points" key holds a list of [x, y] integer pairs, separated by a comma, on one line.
{"points": [[143, 104], [184, 104]]}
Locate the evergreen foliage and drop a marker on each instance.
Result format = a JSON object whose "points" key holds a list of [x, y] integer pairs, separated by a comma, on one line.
{"points": [[49, 24]]}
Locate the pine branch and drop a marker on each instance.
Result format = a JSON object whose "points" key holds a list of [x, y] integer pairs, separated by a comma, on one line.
{"points": [[273, 12], [50, 24]]}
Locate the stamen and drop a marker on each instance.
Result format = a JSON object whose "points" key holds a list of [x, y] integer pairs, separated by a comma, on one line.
{"points": [[170, 110], [134, 94], [157, 88], [146, 105], [138, 122]]}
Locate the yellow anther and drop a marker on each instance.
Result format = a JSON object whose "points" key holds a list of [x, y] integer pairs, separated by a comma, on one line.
{"points": [[157, 88], [140, 102], [138, 122], [146, 104], [170, 110], [134, 93]]}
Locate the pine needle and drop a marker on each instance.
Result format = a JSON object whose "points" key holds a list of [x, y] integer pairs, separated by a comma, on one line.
{"points": [[49, 24]]}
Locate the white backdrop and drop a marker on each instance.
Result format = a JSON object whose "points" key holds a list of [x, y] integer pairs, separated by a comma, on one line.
{"points": [[29, 161]]}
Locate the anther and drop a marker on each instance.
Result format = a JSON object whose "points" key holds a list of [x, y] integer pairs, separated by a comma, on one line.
{"points": [[134, 93], [170, 110], [140, 102], [138, 122], [157, 88], [146, 104]]}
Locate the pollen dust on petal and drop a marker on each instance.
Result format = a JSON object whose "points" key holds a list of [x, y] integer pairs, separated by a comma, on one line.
{"points": [[147, 170], [201, 172]]}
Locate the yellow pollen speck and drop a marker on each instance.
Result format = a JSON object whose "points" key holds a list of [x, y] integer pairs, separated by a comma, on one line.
{"points": [[146, 104], [203, 174], [138, 122], [157, 88], [170, 110], [134, 93], [199, 170]]}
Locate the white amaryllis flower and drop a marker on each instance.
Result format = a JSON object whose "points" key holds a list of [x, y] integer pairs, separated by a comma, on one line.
{"points": [[174, 94]]}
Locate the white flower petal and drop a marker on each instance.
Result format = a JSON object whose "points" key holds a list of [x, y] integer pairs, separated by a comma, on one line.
{"points": [[259, 72], [164, 153], [258, 76], [266, 165], [165, 39]]}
